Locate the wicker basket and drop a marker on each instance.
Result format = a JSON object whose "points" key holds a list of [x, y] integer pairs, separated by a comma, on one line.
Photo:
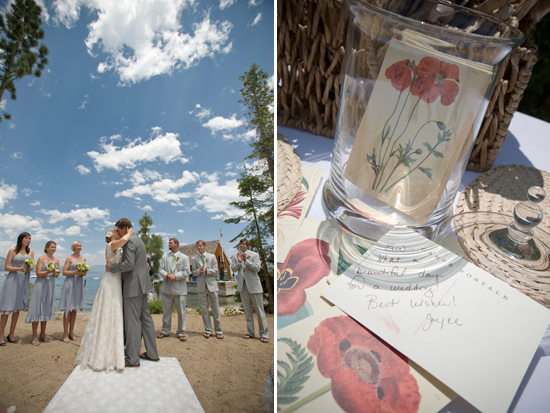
{"points": [[310, 54]]}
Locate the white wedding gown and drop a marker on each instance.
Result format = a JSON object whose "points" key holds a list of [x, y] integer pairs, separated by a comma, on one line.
{"points": [[102, 346]]}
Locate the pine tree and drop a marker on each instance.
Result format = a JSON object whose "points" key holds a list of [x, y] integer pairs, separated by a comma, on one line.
{"points": [[153, 246], [20, 53], [253, 188], [258, 99]]}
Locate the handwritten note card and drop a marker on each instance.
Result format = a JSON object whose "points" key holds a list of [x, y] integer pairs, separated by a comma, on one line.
{"points": [[472, 331]]}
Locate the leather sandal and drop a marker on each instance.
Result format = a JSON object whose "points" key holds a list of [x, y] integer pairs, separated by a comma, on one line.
{"points": [[247, 336], [207, 335], [264, 340], [162, 335], [35, 341], [183, 338]]}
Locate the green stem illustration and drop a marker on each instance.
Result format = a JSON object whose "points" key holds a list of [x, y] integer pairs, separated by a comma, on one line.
{"points": [[409, 150], [385, 163], [307, 399], [373, 162], [411, 171]]}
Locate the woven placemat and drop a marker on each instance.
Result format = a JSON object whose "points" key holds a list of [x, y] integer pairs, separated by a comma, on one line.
{"points": [[289, 173], [500, 190]]}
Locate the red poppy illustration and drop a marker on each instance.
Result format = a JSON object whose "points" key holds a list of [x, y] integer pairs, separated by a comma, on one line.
{"points": [[307, 262], [366, 374], [294, 209], [401, 74], [436, 78]]}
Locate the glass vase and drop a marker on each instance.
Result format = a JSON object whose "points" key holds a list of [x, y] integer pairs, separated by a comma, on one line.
{"points": [[416, 81]]}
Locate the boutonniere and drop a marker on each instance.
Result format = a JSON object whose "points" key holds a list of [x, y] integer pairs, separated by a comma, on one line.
{"points": [[120, 250], [248, 256], [206, 259]]}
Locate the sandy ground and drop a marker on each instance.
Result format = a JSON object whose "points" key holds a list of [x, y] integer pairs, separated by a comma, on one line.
{"points": [[227, 375]]}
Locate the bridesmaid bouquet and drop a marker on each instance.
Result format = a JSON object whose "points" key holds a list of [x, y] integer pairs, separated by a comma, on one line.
{"points": [[82, 267], [29, 265], [52, 266]]}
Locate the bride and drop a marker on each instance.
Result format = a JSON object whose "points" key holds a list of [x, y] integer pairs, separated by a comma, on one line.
{"points": [[102, 346]]}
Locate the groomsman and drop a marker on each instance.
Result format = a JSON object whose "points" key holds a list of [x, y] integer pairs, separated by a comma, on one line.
{"points": [[205, 268], [247, 264], [175, 270]]}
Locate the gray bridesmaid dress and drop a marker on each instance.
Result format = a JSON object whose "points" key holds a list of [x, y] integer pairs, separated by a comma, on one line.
{"points": [[72, 294], [42, 306], [15, 291]]}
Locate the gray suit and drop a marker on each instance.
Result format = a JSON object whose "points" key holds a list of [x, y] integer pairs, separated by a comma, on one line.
{"points": [[208, 289], [250, 288], [174, 292], [135, 286]]}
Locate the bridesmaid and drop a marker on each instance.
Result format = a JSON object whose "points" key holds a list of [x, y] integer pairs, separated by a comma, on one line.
{"points": [[14, 296], [42, 307], [72, 295]]}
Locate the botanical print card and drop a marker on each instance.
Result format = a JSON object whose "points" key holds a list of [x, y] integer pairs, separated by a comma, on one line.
{"points": [[469, 329], [331, 363], [418, 122], [289, 220], [310, 266]]}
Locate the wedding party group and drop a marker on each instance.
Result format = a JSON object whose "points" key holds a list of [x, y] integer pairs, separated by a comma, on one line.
{"points": [[120, 314]]}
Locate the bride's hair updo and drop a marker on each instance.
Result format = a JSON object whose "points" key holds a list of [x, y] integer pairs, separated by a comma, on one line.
{"points": [[109, 234]]}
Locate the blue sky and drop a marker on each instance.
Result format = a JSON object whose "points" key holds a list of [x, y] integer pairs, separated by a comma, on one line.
{"points": [[136, 111]]}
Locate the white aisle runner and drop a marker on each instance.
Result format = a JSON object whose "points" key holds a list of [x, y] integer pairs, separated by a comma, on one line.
{"points": [[153, 387]]}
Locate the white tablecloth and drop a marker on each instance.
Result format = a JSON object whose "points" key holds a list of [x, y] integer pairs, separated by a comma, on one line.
{"points": [[527, 143]]}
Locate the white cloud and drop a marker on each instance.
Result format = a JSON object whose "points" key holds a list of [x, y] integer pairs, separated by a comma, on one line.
{"points": [[82, 170], [226, 3], [27, 191], [71, 231], [144, 38], [84, 102], [215, 198], [142, 177], [220, 123], [16, 155], [257, 19], [147, 208], [245, 137], [164, 190], [165, 148], [201, 112], [81, 216], [7, 192], [44, 15], [35, 203], [253, 3], [180, 231]]}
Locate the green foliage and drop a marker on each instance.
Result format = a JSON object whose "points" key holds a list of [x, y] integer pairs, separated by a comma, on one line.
{"points": [[199, 311], [155, 306], [293, 372], [31, 287], [229, 310], [153, 245], [20, 52], [536, 99], [237, 297]]}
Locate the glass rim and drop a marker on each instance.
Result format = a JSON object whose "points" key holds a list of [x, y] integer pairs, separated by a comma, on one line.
{"points": [[511, 38]]}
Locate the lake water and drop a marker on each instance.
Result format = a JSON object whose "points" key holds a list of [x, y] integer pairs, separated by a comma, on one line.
{"points": [[92, 284]]}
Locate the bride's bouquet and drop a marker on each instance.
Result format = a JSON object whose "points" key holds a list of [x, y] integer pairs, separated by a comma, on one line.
{"points": [[29, 265], [52, 266], [82, 267]]}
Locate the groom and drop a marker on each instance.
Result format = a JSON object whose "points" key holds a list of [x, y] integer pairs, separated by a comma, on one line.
{"points": [[136, 284]]}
